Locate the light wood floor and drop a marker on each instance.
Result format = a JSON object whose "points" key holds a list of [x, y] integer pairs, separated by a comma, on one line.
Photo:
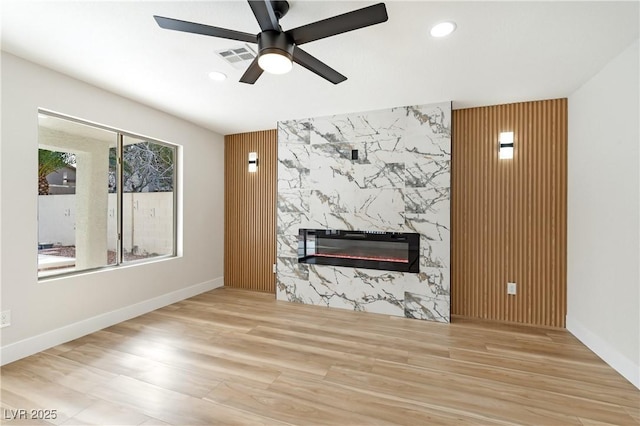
{"points": [[236, 357]]}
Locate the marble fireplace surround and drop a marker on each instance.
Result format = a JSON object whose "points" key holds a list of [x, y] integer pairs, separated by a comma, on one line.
{"points": [[400, 182]]}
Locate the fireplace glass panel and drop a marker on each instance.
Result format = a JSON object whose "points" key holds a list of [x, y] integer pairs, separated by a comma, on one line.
{"points": [[391, 251], [354, 249]]}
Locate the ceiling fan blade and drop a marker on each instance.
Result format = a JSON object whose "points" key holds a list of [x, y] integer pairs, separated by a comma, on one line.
{"points": [[314, 65], [192, 27], [252, 73], [339, 24], [265, 15]]}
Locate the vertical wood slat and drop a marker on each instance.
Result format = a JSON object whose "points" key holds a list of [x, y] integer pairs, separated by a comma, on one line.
{"points": [[509, 216], [250, 211]]}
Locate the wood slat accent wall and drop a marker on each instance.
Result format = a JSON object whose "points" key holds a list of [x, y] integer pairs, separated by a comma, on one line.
{"points": [[509, 217], [250, 211]]}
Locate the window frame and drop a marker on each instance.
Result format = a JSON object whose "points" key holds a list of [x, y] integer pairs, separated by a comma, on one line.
{"points": [[120, 135]]}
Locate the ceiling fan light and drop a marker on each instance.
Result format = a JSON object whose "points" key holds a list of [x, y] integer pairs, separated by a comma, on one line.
{"points": [[275, 63]]}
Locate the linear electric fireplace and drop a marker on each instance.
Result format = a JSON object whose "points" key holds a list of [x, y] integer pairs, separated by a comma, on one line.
{"points": [[389, 251]]}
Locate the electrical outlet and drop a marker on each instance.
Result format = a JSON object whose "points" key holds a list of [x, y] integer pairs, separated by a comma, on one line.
{"points": [[274, 268], [511, 288], [5, 319]]}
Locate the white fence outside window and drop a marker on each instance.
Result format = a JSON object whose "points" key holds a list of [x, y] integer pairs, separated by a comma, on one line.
{"points": [[147, 219]]}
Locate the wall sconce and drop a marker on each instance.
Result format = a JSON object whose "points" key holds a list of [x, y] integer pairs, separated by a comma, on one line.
{"points": [[253, 162], [505, 145]]}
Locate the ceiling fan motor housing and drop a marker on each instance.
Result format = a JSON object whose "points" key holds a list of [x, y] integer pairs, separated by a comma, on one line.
{"points": [[275, 42], [280, 7]]}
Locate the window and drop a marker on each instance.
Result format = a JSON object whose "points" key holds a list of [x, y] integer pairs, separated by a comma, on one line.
{"points": [[105, 197]]}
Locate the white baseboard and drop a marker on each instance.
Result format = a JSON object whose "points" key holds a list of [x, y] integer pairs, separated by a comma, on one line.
{"points": [[623, 365], [23, 348]]}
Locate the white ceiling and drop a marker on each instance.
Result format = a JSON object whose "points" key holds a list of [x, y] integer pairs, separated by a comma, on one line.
{"points": [[502, 52]]}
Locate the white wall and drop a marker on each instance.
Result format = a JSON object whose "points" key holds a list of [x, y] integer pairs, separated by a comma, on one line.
{"points": [[48, 313], [603, 257]]}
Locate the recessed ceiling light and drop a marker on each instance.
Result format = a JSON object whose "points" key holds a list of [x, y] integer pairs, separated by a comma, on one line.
{"points": [[217, 76], [443, 29]]}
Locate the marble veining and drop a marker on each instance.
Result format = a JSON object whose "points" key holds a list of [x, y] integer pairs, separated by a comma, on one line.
{"points": [[400, 182]]}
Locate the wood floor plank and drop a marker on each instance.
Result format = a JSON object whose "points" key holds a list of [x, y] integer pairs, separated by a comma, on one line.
{"points": [[23, 390], [13, 416], [172, 407], [199, 358], [591, 422], [231, 356], [601, 374], [285, 408], [64, 372], [557, 352], [319, 343], [634, 413], [354, 340], [154, 422], [96, 414], [531, 379], [449, 396], [523, 393], [381, 406]]}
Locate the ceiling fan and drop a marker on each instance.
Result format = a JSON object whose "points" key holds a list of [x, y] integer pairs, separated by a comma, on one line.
{"points": [[277, 48]]}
